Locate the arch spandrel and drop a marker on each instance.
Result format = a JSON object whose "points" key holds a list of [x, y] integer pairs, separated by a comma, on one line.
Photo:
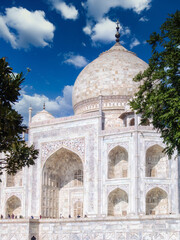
{"points": [[76, 145], [11, 194], [124, 187], [156, 188], [149, 144], [124, 145], [164, 187], [60, 152]]}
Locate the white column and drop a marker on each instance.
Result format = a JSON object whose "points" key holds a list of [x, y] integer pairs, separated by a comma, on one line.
{"points": [[30, 114]]}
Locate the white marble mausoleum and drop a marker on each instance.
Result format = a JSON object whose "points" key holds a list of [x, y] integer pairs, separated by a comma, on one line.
{"points": [[100, 175]]}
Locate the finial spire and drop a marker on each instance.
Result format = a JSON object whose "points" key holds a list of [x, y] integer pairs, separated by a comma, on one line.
{"points": [[44, 106], [117, 35]]}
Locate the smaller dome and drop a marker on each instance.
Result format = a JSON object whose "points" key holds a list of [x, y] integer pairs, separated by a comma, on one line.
{"points": [[42, 116]]}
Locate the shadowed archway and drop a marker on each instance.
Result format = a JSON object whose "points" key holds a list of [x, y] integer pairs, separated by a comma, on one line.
{"points": [[13, 206], [117, 203], [156, 202], [62, 184], [118, 163]]}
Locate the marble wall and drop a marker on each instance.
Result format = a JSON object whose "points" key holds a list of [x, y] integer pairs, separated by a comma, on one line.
{"points": [[92, 229]]}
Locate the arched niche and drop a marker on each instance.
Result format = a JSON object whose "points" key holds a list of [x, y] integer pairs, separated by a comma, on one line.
{"points": [[118, 163], [78, 209], [156, 162], [156, 202], [14, 180], [117, 203], [62, 183], [13, 206], [132, 122]]}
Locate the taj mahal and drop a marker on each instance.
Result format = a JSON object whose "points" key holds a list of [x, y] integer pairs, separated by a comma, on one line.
{"points": [[100, 174]]}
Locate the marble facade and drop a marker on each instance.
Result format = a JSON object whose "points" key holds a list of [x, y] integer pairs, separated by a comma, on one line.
{"points": [[100, 174]]}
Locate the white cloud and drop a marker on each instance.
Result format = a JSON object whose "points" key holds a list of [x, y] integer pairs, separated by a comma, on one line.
{"points": [[87, 30], [5, 33], [76, 60], [97, 9], [59, 107], [144, 19], [135, 42], [23, 28], [66, 11], [104, 31]]}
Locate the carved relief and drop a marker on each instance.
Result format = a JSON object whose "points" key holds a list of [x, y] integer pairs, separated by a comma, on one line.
{"points": [[147, 236], [174, 236], [121, 236], [149, 144], [98, 236], [65, 236], [160, 236], [75, 236], [46, 237], [109, 236], [110, 146], [87, 236], [133, 236], [76, 145]]}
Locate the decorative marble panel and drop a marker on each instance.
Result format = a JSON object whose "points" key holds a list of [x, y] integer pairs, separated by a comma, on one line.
{"points": [[76, 145], [150, 186], [125, 145], [13, 193], [121, 236], [149, 144], [124, 187]]}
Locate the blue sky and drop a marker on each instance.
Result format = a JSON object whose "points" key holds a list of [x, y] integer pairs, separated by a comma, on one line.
{"points": [[57, 38]]}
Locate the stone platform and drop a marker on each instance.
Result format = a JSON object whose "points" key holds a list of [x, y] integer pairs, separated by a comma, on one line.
{"points": [[131, 228]]}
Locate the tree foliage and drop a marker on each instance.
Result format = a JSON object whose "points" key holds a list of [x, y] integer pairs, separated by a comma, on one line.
{"points": [[158, 97], [14, 151]]}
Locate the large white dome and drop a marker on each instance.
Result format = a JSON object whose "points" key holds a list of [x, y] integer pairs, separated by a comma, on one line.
{"points": [[110, 75]]}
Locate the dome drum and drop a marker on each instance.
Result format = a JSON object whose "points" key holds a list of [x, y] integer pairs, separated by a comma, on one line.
{"points": [[108, 103]]}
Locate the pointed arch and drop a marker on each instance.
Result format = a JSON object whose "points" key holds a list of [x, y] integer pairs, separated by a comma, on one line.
{"points": [[13, 206], [78, 209], [118, 163], [118, 203], [64, 183], [156, 202], [156, 162]]}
